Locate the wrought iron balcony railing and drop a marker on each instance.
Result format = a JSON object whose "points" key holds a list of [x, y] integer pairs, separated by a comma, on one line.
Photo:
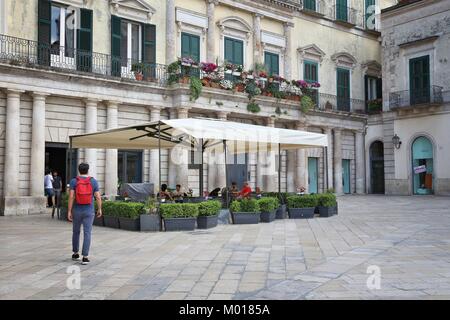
{"points": [[427, 96], [30, 53], [331, 102], [345, 14]]}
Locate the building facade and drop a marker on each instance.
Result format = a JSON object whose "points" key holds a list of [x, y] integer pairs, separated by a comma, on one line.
{"points": [[416, 106], [68, 68]]}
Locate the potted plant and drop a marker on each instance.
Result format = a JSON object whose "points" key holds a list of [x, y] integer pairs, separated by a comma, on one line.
{"points": [[137, 68], [245, 211], [327, 204], [129, 215], [110, 215], [249, 75], [150, 219], [301, 207], [239, 86], [179, 216], [268, 207], [237, 70], [208, 214]]}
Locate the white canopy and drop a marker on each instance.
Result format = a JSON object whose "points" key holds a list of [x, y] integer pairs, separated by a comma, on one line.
{"points": [[244, 137]]}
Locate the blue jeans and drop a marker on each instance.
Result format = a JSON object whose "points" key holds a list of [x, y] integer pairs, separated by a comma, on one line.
{"points": [[85, 219]]}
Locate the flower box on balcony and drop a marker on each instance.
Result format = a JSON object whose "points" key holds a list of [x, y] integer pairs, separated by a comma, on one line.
{"points": [[228, 71], [250, 76], [236, 73]]}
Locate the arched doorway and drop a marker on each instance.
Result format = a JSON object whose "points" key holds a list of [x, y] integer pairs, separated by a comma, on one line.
{"points": [[422, 166], [377, 167]]}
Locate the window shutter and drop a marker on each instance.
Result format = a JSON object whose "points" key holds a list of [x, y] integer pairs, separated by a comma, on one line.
{"points": [[229, 50], [44, 32], [379, 88], [116, 38], [185, 45], [343, 89], [195, 48], [238, 52], [149, 50], [84, 41]]}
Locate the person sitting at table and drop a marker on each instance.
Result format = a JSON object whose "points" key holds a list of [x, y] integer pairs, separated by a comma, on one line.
{"points": [[258, 192], [214, 193], [246, 191], [164, 194], [178, 195], [234, 191]]}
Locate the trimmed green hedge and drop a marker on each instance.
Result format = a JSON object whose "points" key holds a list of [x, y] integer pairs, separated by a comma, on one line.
{"points": [[268, 204], [327, 200], [304, 201], [245, 205], [65, 200], [209, 208], [122, 209], [179, 210]]}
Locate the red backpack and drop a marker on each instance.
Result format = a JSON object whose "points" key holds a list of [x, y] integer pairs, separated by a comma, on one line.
{"points": [[83, 191]]}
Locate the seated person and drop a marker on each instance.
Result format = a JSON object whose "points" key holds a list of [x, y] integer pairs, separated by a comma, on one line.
{"points": [[178, 195], [164, 194], [234, 192], [246, 191], [214, 193], [301, 190], [258, 192]]}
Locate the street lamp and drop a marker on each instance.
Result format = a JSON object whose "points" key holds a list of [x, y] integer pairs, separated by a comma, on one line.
{"points": [[396, 141]]}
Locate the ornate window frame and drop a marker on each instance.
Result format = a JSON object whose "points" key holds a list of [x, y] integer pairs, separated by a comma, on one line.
{"points": [[142, 12], [193, 23], [236, 28], [311, 53], [344, 60], [274, 43]]}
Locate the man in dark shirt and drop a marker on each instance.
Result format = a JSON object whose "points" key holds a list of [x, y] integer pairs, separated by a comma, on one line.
{"points": [[83, 214], [57, 188]]}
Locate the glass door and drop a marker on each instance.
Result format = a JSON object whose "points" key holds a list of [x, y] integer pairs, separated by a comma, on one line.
{"points": [[346, 176], [313, 175]]}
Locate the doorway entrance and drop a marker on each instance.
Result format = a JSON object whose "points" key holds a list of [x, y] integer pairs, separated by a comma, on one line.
{"points": [[57, 158], [377, 167], [346, 176], [313, 175], [237, 169], [422, 166]]}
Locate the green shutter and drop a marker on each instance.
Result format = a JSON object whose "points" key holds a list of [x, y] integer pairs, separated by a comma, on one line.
{"points": [[341, 10], [229, 50], [310, 5], [238, 55], [44, 31], [419, 80], [116, 39], [310, 73], [190, 46], [84, 41], [343, 89], [272, 63], [149, 50]]}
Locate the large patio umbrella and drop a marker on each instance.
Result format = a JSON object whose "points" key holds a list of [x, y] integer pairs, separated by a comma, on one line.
{"points": [[202, 133]]}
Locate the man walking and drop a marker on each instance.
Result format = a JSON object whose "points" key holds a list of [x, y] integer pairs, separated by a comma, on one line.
{"points": [[48, 187], [83, 190]]}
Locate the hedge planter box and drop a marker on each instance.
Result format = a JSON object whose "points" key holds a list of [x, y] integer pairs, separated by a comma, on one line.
{"points": [[301, 213], [99, 221], [150, 222], [281, 212], [180, 224], [246, 218], [326, 212], [207, 222], [130, 224], [268, 216], [111, 222]]}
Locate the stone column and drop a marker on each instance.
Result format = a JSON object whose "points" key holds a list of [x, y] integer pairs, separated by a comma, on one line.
{"points": [[172, 171], [12, 145], [338, 160], [37, 164], [182, 167], [155, 115], [271, 177], [301, 177], [290, 176], [219, 168], [91, 126], [287, 50], [170, 32], [359, 163], [111, 172], [328, 131], [210, 36], [257, 46]]}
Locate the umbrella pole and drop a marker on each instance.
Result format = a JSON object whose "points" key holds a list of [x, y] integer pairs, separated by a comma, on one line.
{"points": [[326, 168], [279, 170], [159, 155], [70, 163], [200, 178], [226, 172]]}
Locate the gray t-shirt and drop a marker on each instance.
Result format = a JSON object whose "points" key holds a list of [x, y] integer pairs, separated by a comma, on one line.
{"points": [[84, 208]]}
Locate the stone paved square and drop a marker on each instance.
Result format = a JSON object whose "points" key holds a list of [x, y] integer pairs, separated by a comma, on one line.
{"points": [[408, 238]]}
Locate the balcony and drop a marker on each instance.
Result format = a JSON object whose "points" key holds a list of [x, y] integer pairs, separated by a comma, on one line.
{"points": [[345, 15], [313, 7], [419, 98], [31, 54], [329, 102]]}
